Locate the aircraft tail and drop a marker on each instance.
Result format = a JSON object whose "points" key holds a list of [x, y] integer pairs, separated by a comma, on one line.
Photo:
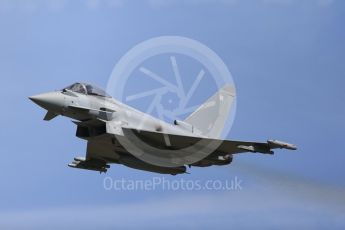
{"points": [[209, 119]]}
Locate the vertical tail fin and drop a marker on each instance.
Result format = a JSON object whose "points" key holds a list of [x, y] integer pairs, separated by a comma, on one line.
{"points": [[209, 119]]}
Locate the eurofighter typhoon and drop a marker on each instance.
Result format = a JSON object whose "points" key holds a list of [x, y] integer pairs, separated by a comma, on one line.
{"points": [[119, 134]]}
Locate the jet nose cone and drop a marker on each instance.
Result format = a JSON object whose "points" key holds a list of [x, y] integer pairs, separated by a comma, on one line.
{"points": [[38, 99], [49, 101]]}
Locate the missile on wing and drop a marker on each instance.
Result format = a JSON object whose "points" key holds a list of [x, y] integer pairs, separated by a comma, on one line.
{"points": [[99, 169], [81, 159], [281, 144]]}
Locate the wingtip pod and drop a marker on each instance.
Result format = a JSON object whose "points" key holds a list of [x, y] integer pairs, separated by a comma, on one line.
{"points": [[281, 144]]}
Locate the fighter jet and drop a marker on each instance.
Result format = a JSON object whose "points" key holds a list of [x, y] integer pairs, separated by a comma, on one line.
{"points": [[119, 134]]}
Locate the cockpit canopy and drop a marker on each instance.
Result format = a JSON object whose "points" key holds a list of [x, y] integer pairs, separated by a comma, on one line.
{"points": [[87, 89]]}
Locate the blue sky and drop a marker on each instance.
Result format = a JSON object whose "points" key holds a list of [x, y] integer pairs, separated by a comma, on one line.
{"points": [[286, 58]]}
